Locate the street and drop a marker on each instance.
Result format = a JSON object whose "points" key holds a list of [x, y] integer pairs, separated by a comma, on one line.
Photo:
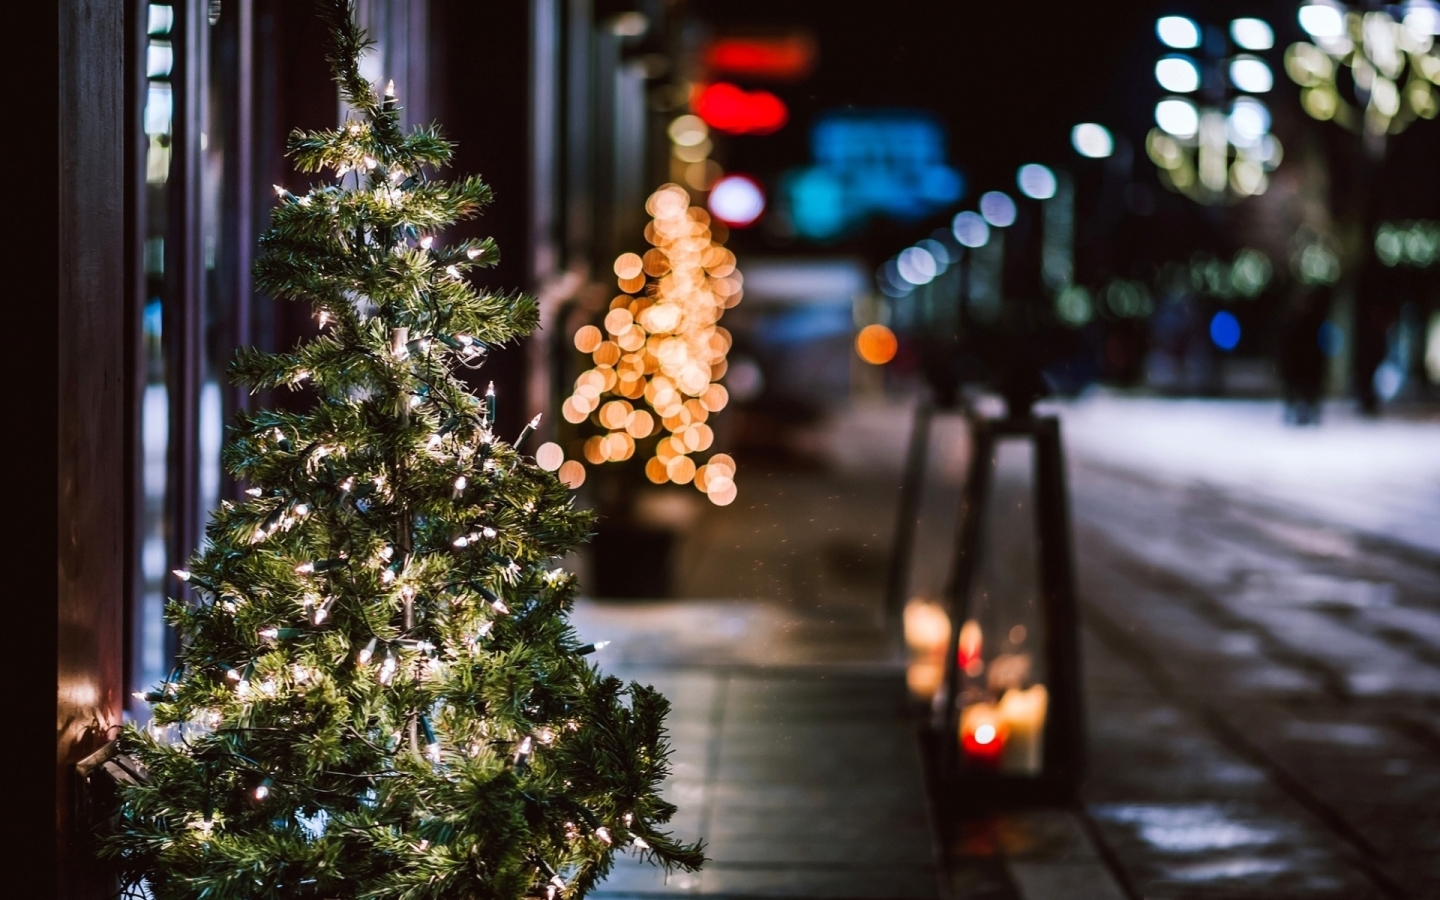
{"points": [[1261, 684]]}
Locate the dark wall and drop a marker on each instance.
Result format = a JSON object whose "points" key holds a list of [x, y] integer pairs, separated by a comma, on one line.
{"points": [[484, 109], [91, 408]]}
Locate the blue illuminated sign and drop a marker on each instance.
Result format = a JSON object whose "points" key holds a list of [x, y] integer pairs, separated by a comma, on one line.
{"points": [[875, 162]]}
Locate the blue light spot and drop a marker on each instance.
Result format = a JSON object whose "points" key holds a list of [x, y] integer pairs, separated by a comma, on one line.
{"points": [[1225, 330], [1331, 339]]}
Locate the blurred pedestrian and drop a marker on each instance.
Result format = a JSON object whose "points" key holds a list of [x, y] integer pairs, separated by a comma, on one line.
{"points": [[1302, 356]]}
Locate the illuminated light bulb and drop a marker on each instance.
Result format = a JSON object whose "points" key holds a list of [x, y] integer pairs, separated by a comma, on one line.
{"points": [[433, 751], [591, 648], [233, 674], [306, 568], [489, 533], [279, 191], [523, 753], [397, 174], [324, 318], [473, 252], [423, 845], [371, 162], [484, 629], [262, 790], [254, 491], [348, 484], [984, 734], [460, 483], [387, 576], [603, 834], [270, 633], [181, 574], [387, 670], [640, 844], [452, 271], [426, 242], [302, 509], [390, 88], [367, 653], [461, 541], [415, 400], [433, 442], [387, 552], [500, 607], [321, 614], [267, 687]]}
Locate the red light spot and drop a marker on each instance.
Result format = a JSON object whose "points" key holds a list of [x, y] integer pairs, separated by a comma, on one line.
{"points": [[787, 58], [727, 108]]}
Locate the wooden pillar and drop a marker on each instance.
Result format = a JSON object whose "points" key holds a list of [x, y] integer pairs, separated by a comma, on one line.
{"points": [[91, 389]]}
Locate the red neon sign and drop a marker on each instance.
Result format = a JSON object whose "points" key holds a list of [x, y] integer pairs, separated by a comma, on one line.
{"points": [[782, 58], [727, 108]]}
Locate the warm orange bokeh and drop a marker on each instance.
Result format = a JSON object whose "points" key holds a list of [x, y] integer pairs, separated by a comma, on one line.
{"points": [[876, 344]]}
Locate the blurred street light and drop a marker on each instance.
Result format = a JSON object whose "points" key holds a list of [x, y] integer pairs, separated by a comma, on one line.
{"points": [[998, 209], [1212, 139], [1393, 65], [1092, 140], [1036, 181], [970, 229]]}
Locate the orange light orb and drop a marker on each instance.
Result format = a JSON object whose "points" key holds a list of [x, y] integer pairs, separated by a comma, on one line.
{"points": [[572, 474], [876, 344]]}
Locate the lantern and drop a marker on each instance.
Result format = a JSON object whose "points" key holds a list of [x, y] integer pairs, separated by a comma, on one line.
{"points": [[1009, 724]]}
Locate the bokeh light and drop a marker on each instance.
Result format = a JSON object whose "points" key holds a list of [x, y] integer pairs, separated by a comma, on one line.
{"points": [[1092, 140], [662, 347], [1225, 330], [1177, 74], [876, 344], [997, 208], [1252, 34], [1036, 181], [1322, 20], [970, 229], [917, 266], [1251, 74], [1177, 117], [737, 200], [1178, 32]]}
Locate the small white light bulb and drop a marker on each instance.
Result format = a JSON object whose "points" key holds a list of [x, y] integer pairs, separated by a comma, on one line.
{"points": [[426, 242]]}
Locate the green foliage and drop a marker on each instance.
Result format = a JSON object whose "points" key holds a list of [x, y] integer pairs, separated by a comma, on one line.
{"points": [[379, 695]]}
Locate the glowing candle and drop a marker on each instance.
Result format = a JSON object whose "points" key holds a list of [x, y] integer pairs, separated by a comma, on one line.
{"points": [[927, 628], [1022, 713], [983, 735], [971, 643]]}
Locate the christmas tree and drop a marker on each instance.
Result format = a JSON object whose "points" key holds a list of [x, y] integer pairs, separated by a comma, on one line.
{"points": [[378, 693]]}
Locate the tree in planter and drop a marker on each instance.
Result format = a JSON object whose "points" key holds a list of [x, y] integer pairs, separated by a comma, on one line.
{"points": [[379, 694]]}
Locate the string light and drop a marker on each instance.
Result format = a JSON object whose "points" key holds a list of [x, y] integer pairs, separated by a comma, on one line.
{"points": [[591, 648], [662, 344], [262, 790], [367, 653]]}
